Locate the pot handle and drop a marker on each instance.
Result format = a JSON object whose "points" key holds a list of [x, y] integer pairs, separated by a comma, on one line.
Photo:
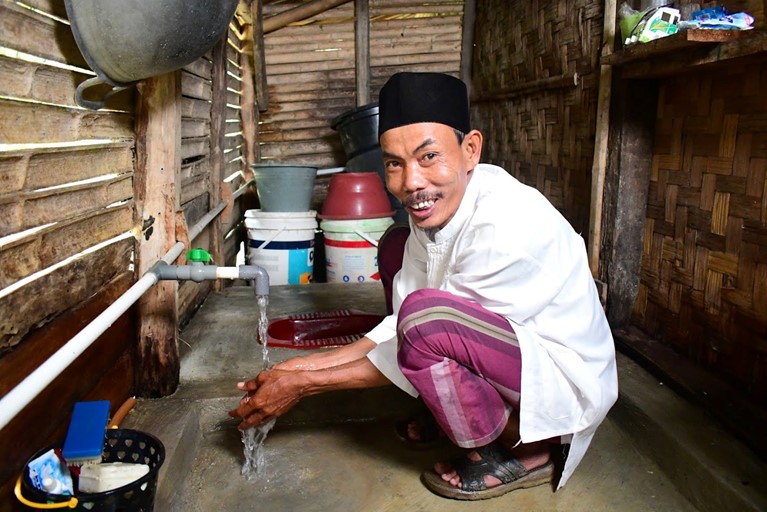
{"points": [[94, 104]]}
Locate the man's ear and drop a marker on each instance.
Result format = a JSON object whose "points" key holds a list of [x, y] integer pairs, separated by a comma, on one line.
{"points": [[472, 148]]}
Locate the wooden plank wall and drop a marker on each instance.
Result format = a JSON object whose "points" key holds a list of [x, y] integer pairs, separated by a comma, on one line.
{"points": [[196, 144], [538, 124], [66, 199], [311, 67], [195, 174], [239, 91], [703, 280], [66, 232]]}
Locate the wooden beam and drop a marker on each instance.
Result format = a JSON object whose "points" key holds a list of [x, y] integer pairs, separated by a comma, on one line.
{"points": [[467, 41], [248, 111], [362, 50], [158, 162], [599, 164], [258, 65], [632, 135], [217, 158], [300, 13]]}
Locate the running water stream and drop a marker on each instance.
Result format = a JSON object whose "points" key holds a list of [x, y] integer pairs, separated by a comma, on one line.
{"points": [[254, 437]]}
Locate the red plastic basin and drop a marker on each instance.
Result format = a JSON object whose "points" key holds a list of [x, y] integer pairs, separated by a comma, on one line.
{"points": [[356, 195], [320, 329]]}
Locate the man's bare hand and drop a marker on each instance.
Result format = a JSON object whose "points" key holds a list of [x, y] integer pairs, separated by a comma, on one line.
{"points": [[271, 394]]}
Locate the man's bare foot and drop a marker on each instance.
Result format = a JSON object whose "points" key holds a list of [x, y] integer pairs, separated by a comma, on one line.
{"points": [[420, 429]]}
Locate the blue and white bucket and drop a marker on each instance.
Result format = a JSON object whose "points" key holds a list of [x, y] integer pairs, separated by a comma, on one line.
{"points": [[283, 244]]}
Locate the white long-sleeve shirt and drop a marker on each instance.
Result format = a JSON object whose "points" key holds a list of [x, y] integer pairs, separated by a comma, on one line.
{"points": [[511, 251]]}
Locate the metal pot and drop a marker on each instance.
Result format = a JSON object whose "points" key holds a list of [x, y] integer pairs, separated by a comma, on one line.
{"points": [[124, 41]]}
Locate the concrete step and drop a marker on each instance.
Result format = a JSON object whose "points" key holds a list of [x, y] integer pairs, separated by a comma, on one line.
{"points": [[707, 464]]}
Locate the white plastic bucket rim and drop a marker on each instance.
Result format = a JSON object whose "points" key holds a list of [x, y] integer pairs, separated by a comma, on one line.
{"points": [[295, 226], [364, 228]]}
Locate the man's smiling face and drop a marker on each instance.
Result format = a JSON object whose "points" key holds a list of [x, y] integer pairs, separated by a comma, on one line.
{"points": [[428, 169]]}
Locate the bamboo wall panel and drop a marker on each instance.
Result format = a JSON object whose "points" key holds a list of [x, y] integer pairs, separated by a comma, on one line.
{"points": [[52, 245], [538, 125], [66, 199], [235, 170], [233, 141], [703, 287], [311, 69], [65, 172]]}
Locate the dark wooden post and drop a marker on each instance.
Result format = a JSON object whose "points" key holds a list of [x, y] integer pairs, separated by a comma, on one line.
{"points": [[217, 158], [632, 132], [158, 144], [467, 41], [362, 50]]}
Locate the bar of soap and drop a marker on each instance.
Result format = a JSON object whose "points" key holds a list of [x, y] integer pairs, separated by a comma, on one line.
{"points": [[109, 475]]}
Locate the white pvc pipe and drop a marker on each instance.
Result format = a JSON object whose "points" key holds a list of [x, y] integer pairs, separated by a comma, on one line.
{"points": [[227, 273], [26, 390], [20, 396], [195, 230], [332, 170], [237, 193]]}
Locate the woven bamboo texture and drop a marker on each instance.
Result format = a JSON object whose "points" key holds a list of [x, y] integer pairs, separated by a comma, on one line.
{"points": [[538, 124], [703, 283]]}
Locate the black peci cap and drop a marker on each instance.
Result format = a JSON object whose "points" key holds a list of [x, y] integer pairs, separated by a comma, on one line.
{"points": [[409, 98]]}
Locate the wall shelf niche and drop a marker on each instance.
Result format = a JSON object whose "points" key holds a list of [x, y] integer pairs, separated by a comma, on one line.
{"points": [[687, 51]]}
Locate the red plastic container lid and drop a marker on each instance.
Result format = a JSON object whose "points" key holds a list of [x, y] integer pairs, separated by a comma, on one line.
{"points": [[356, 195]]}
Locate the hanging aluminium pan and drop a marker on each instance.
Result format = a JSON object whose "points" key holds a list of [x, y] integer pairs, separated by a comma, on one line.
{"points": [[124, 41]]}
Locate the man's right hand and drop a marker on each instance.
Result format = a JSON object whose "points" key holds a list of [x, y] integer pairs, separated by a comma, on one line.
{"points": [[271, 394]]}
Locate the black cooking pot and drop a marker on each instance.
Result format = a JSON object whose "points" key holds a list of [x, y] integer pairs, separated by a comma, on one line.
{"points": [[125, 41]]}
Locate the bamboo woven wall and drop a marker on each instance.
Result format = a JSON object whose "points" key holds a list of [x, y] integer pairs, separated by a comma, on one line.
{"points": [[311, 69], [703, 286], [537, 124]]}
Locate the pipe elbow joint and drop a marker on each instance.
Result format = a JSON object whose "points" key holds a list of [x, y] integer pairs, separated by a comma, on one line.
{"points": [[258, 275]]}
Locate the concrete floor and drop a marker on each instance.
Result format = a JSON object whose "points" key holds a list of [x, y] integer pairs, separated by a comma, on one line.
{"points": [[338, 452]]}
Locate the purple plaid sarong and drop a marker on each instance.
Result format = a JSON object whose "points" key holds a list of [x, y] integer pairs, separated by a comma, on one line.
{"points": [[464, 361]]}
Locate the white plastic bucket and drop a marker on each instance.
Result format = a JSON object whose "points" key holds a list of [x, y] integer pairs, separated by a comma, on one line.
{"points": [[283, 244], [351, 248]]}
